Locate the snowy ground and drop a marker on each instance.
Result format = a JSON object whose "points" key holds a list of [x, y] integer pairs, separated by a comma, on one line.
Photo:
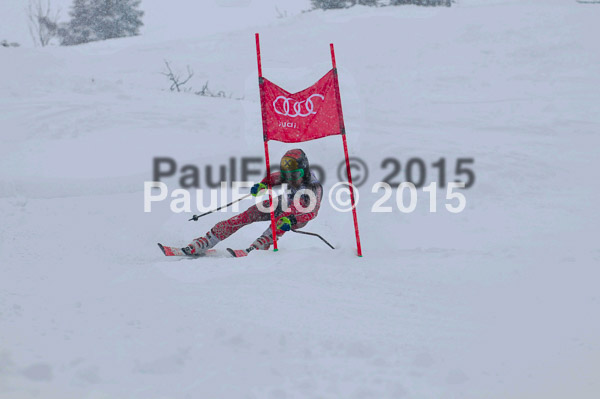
{"points": [[499, 301]]}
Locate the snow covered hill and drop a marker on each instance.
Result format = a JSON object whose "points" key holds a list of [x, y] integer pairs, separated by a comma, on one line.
{"points": [[498, 301]]}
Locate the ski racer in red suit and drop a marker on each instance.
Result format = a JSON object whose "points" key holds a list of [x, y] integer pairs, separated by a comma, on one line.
{"points": [[295, 172]]}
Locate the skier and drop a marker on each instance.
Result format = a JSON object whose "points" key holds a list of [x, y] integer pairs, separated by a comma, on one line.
{"points": [[295, 172]]}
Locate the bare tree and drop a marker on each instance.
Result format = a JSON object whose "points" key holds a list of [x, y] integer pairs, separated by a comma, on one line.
{"points": [[176, 81], [205, 91], [43, 21], [281, 14]]}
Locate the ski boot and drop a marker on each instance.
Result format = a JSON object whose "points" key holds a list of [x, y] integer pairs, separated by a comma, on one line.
{"points": [[262, 243], [201, 244]]}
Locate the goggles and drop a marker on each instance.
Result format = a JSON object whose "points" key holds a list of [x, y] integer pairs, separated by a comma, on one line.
{"points": [[292, 175]]}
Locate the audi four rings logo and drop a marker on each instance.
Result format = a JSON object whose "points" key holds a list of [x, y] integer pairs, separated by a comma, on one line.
{"points": [[282, 105]]}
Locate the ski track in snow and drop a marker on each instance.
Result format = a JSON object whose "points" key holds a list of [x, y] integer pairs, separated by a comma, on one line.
{"points": [[499, 301]]}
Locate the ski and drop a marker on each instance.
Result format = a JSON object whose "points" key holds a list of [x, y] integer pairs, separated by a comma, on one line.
{"points": [[174, 251], [237, 253], [230, 253]]}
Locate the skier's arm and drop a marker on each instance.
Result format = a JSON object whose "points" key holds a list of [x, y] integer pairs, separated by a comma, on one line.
{"points": [[275, 179], [261, 187]]}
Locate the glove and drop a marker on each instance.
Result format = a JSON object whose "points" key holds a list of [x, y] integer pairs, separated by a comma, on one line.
{"points": [[257, 189], [286, 223]]}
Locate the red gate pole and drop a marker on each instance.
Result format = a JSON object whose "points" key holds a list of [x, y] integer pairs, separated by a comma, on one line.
{"points": [[262, 107], [343, 132]]}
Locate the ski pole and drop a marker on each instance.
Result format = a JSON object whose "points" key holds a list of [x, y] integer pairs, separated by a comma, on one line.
{"points": [[196, 217], [316, 235]]}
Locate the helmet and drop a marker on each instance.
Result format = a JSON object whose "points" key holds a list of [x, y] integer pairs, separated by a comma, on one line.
{"points": [[294, 166]]}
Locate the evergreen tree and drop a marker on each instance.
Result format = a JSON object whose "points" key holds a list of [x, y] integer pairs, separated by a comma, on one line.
{"points": [[117, 18], [79, 29], [331, 4], [101, 19]]}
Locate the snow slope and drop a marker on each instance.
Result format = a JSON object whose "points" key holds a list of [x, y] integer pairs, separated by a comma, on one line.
{"points": [[499, 301]]}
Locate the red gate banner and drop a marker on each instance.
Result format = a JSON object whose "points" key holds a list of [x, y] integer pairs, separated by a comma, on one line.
{"points": [[307, 115]]}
